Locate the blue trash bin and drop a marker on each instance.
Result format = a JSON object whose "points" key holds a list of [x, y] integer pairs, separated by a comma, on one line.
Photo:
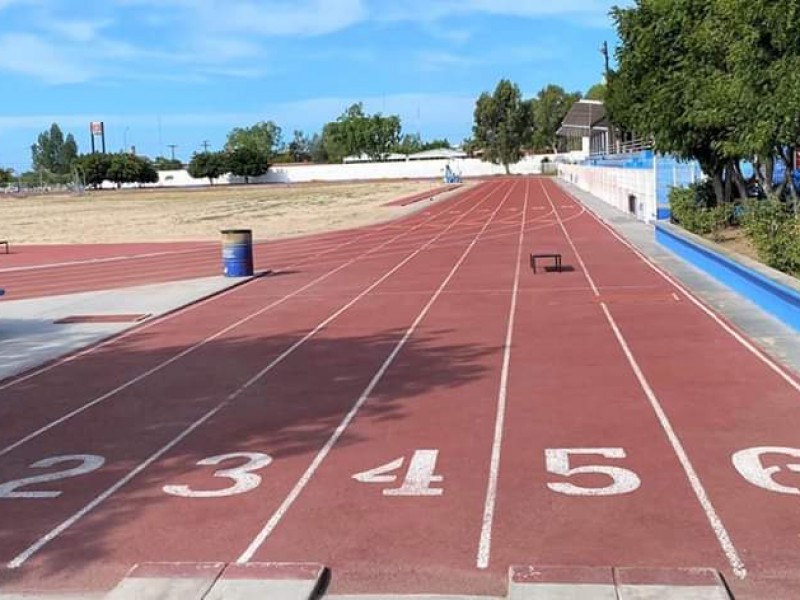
{"points": [[237, 252]]}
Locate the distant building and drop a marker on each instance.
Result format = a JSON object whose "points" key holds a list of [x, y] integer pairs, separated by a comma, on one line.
{"points": [[587, 121]]}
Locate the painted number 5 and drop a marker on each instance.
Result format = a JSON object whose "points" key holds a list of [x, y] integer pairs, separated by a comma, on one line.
{"points": [[244, 480], [623, 481], [750, 466]]}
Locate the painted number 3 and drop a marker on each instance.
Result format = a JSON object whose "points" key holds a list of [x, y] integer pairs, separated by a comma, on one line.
{"points": [[242, 476]]}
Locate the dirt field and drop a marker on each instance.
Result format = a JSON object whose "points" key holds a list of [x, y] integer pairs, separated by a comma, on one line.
{"points": [[735, 240], [271, 211]]}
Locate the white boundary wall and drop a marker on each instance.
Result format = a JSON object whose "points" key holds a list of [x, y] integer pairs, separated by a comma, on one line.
{"points": [[416, 169], [615, 186]]}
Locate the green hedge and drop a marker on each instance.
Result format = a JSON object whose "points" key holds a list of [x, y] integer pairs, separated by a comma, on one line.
{"points": [[690, 209], [774, 230]]}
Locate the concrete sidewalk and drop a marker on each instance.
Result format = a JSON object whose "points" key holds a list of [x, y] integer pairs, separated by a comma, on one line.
{"points": [[30, 334], [767, 332]]}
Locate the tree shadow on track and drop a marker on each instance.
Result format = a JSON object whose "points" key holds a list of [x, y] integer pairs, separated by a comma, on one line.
{"points": [[289, 413]]}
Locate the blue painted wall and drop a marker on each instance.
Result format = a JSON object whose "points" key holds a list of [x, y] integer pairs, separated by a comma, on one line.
{"points": [[781, 301]]}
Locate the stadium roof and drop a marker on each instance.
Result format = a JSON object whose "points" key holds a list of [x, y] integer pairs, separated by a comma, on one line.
{"points": [[584, 117], [437, 153]]}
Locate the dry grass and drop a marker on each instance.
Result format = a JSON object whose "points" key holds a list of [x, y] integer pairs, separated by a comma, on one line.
{"points": [[271, 211], [734, 239]]}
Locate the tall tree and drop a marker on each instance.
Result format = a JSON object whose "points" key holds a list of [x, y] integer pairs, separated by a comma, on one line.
{"points": [[501, 124], [547, 112], [675, 84], [596, 92], [162, 163], [124, 168], [208, 165], [265, 137], [94, 168], [52, 152], [248, 162], [300, 147], [356, 132], [6, 176]]}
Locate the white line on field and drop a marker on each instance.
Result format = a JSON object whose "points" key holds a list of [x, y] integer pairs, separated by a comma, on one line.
{"points": [[26, 554], [735, 561], [275, 519], [485, 543]]}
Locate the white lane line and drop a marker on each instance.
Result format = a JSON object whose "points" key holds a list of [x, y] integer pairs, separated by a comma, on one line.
{"points": [[714, 520], [213, 298], [108, 259], [278, 515], [23, 557], [485, 543], [764, 358], [720, 531]]}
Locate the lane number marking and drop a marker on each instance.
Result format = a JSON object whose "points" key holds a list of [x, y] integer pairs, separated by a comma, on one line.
{"points": [[88, 463], [750, 465], [243, 477], [419, 476], [623, 481]]}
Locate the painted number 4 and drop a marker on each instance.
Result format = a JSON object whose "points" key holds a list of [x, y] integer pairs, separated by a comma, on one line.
{"points": [[419, 476]]}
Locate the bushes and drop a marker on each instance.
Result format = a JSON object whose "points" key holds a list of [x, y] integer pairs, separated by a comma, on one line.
{"points": [[693, 209], [775, 232]]}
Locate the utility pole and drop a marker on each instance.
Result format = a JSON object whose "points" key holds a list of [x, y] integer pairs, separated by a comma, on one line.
{"points": [[205, 145], [604, 52], [172, 150]]}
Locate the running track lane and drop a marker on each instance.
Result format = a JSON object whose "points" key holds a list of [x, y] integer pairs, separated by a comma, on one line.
{"points": [[163, 344], [37, 271], [723, 401], [743, 401], [156, 412], [412, 544]]}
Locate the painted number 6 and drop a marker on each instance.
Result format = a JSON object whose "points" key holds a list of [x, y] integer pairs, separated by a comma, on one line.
{"points": [[750, 466], [623, 481], [244, 480]]}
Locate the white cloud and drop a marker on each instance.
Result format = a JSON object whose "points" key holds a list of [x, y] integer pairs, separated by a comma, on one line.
{"points": [[33, 56]]}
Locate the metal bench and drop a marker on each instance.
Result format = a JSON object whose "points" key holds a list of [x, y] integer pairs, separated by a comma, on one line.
{"points": [[555, 257]]}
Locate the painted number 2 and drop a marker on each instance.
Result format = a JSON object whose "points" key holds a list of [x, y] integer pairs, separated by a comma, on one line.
{"points": [[243, 478], [623, 481], [88, 463]]}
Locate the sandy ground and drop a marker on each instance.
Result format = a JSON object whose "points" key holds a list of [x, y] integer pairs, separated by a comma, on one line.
{"points": [[735, 240], [271, 211]]}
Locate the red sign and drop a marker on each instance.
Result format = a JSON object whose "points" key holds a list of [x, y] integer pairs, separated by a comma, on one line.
{"points": [[96, 127]]}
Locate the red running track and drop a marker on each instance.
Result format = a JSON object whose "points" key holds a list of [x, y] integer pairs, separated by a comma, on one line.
{"points": [[599, 416]]}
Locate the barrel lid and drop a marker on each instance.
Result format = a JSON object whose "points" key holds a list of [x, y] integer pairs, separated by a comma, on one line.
{"points": [[237, 231]]}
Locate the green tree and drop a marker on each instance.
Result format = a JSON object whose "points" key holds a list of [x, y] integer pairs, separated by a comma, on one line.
{"points": [[356, 132], [94, 168], [597, 92], [210, 165], [501, 124], [677, 84], [265, 137], [248, 162], [124, 168], [300, 147], [547, 112], [163, 163], [316, 149], [147, 171], [6, 176], [52, 152]]}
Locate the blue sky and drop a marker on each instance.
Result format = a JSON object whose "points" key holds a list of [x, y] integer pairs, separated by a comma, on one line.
{"points": [[162, 72]]}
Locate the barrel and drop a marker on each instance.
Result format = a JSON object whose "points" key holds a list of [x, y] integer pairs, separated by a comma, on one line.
{"points": [[237, 252]]}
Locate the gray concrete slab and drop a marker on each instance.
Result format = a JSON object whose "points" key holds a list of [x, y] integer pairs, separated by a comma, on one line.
{"points": [[29, 337], [671, 592], [268, 581], [771, 335], [167, 581]]}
